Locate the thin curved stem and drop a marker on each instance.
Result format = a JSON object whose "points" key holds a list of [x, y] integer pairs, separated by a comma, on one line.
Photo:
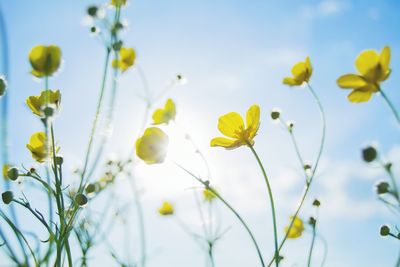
{"points": [[207, 186], [314, 169], [391, 106], [325, 244], [311, 247], [271, 199], [97, 114]]}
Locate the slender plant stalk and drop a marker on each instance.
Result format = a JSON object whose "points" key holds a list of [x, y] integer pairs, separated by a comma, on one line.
{"points": [[207, 186], [97, 114], [314, 169], [271, 199], [391, 106], [311, 246]]}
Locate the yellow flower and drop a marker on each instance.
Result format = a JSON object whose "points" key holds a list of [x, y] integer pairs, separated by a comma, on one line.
{"points": [[208, 195], [302, 72], [166, 114], [118, 3], [37, 146], [6, 167], [152, 146], [126, 59], [232, 125], [37, 103], [373, 69], [166, 209], [297, 228], [45, 60]]}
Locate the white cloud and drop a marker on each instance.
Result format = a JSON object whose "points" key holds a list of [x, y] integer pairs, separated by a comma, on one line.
{"points": [[325, 8]]}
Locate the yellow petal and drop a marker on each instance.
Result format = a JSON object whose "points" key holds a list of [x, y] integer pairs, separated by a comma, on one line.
{"points": [[158, 116], [166, 209], [299, 70], [384, 60], [359, 96], [297, 228], [291, 81], [225, 142], [351, 81], [151, 147], [253, 120], [231, 124], [309, 68], [367, 61]]}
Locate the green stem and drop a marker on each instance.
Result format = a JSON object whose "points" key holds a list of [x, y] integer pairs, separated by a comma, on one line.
{"points": [[391, 106], [311, 247], [211, 254], [207, 186], [271, 199], [97, 114], [314, 169]]}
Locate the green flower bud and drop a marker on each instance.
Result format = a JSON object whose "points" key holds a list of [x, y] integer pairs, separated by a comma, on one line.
{"points": [[382, 188], [275, 114], [59, 160], [12, 174], [369, 154], [316, 203], [90, 188], [312, 221], [3, 85], [81, 199], [385, 230], [92, 11], [7, 197]]}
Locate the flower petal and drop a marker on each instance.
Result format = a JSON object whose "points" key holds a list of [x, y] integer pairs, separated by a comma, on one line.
{"points": [[291, 81], [367, 61], [351, 81], [231, 124], [253, 120], [359, 96], [225, 142], [384, 60]]}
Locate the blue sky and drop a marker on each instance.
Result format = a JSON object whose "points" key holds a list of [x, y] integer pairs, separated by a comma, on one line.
{"points": [[234, 54]]}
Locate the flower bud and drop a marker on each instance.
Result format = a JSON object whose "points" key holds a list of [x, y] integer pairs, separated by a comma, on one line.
{"points": [[275, 114], [81, 199], [382, 188], [312, 221], [12, 174], [59, 160], [385, 230], [92, 11], [3, 85], [369, 154], [7, 197], [316, 203], [90, 188], [290, 125]]}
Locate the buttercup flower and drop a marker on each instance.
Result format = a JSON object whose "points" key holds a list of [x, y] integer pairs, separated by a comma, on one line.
{"points": [[232, 125], [126, 59], [297, 228], [152, 146], [373, 68], [6, 167], [166, 209], [38, 103], [302, 72], [45, 60], [166, 114], [37, 146], [208, 195], [118, 3]]}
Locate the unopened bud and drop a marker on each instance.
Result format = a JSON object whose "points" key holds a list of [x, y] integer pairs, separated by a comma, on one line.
{"points": [[7, 197], [12, 174]]}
